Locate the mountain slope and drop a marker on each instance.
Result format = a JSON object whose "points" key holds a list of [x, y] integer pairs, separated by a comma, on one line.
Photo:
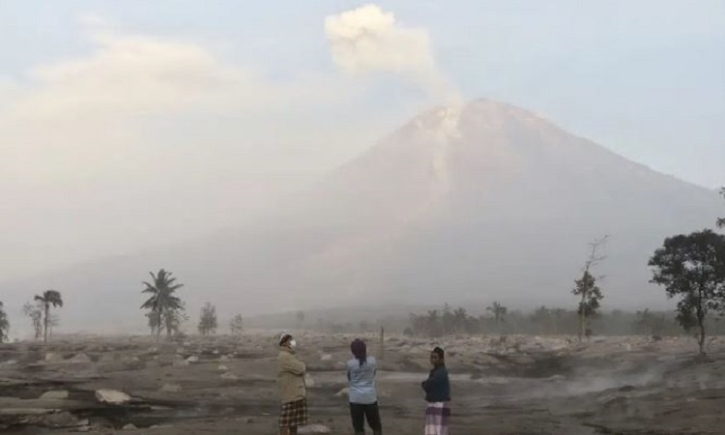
{"points": [[471, 203]]}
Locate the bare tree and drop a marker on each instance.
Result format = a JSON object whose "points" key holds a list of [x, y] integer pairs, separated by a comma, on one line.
{"points": [[236, 325], [35, 314], [208, 321], [586, 287]]}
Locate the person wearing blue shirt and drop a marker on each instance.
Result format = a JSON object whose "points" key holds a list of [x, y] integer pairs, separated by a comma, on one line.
{"points": [[361, 371]]}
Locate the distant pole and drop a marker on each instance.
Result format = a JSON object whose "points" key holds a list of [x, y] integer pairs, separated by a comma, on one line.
{"points": [[382, 343]]}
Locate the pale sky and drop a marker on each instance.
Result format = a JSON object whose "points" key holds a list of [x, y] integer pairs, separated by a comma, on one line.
{"points": [[125, 124]]}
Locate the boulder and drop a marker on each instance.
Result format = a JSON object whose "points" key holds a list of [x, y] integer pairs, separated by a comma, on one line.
{"points": [[53, 357], [81, 358], [55, 395], [112, 397]]}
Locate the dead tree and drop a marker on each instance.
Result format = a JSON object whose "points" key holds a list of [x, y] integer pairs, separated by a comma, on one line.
{"points": [[586, 287]]}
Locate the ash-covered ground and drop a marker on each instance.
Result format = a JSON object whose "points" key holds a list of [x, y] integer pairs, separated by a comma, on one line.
{"points": [[501, 385]]}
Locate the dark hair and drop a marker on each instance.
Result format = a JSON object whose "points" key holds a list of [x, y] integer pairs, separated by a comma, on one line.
{"points": [[438, 351], [285, 338], [359, 349]]}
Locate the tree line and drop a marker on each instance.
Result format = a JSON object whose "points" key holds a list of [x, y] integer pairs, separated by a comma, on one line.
{"points": [[690, 267], [546, 321], [166, 311]]}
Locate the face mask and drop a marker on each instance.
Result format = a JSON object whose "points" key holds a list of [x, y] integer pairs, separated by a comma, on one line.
{"points": [[293, 344]]}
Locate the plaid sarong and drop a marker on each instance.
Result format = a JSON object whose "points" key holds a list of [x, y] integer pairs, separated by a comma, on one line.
{"points": [[437, 416], [293, 414]]}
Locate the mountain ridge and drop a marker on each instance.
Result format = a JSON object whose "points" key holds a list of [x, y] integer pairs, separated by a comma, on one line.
{"points": [[480, 201]]}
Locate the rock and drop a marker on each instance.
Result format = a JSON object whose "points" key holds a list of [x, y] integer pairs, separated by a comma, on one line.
{"points": [[326, 358], [53, 357], [129, 426], [309, 382], [223, 368], [55, 395], [81, 358], [224, 358], [60, 419], [192, 359], [230, 376], [314, 429], [112, 397], [181, 363], [343, 393], [171, 388]]}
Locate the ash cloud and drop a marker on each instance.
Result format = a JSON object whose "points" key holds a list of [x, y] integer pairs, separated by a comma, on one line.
{"points": [[369, 40]]}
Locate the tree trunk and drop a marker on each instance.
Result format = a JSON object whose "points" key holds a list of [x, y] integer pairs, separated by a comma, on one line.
{"points": [[582, 319], [158, 326], [46, 323], [701, 338], [701, 323]]}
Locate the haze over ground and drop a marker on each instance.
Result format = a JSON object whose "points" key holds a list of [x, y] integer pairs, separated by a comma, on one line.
{"points": [[123, 128]]}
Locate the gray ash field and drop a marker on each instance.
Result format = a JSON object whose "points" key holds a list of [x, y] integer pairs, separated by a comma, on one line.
{"points": [[501, 385]]}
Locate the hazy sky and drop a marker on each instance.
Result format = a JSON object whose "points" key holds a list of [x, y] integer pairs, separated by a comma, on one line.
{"points": [[130, 123]]}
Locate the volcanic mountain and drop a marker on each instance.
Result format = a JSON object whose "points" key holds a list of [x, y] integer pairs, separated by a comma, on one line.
{"points": [[473, 203]]}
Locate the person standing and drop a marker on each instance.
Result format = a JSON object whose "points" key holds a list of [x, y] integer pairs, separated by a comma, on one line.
{"points": [[437, 395], [293, 392], [361, 371]]}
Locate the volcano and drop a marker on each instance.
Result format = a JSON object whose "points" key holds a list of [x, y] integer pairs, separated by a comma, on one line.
{"points": [[462, 204]]}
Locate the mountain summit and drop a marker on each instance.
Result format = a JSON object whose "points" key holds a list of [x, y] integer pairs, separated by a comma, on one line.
{"points": [[472, 203]]}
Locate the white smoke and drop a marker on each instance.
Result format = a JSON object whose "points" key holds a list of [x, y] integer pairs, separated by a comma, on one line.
{"points": [[369, 40]]}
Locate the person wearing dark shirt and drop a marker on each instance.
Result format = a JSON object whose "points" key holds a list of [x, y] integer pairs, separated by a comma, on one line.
{"points": [[437, 395]]}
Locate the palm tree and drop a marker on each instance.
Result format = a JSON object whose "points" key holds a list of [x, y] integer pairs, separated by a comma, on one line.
{"points": [[499, 312], [163, 303], [47, 299]]}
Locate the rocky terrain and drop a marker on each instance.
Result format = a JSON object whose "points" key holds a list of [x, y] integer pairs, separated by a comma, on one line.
{"points": [[224, 385]]}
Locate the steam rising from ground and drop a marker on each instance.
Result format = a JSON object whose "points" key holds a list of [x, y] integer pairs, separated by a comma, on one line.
{"points": [[369, 40]]}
